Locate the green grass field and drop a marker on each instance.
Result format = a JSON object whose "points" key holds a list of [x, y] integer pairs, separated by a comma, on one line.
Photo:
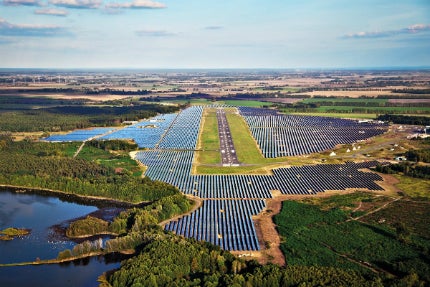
{"points": [[414, 187], [339, 115], [247, 103], [209, 140], [346, 100], [113, 160]]}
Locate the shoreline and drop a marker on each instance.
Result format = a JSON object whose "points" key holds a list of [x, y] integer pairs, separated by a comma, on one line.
{"points": [[81, 199], [66, 260], [93, 235]]}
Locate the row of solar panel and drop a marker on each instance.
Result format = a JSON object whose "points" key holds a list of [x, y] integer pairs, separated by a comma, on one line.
{"points": [[288, 135], [146, 134], [227, 223], [79, 135], [174, 167]]}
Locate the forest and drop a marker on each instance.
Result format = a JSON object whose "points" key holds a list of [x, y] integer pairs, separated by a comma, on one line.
{"points": [[65, 115], [176, 261], [408, 169], [321, 234], [48, 165], [132, 229]]}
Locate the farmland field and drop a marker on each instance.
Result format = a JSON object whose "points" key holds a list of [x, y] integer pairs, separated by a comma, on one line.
{"points": [[380, 110], [337, 115], [364, 101]]}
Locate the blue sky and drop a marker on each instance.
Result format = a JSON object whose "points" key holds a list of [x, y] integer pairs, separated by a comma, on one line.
{"points": [[214, 34]]}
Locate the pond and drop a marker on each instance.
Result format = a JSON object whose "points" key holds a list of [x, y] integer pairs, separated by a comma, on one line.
{"points": [[82, 273], [46, 217]]}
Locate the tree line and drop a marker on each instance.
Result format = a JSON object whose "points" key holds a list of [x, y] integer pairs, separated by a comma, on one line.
{"points": [[65, 118], [45, 165], [405, 120], [408, 169]]}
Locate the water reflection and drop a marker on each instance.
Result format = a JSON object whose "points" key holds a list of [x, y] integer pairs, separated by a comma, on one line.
{"points": [[78, 273], [48, 217]]}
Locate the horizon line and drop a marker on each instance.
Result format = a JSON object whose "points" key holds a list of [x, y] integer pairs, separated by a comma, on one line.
{"points": [[297, 69]]}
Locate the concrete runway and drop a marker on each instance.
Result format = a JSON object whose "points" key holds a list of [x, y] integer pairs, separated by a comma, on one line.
{"points": [[228, 153]]}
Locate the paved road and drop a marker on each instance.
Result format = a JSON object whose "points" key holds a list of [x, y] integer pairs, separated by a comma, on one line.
{"points": [[228, 153]]}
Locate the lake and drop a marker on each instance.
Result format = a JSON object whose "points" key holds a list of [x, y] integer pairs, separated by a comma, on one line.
{"points": [[46, 216]]}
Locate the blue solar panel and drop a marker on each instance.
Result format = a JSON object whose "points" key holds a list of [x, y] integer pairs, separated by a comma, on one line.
{"points": [[146, 134], [79, 135], [230, 201], [288, 135], [227, 223]]}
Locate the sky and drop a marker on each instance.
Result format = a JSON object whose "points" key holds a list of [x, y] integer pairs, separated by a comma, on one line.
{"points": [[210, 34]]}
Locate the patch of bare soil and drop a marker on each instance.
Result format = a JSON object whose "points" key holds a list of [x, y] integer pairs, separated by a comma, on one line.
{"points": [[408, 101], [97, 98], [389, 184], [268, 235]]}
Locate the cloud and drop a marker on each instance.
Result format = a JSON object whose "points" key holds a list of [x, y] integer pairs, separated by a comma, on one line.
{"points": [[21, 3], [77, 4], [417, 28], [53, 12], [4, 41], [413, 29], [155, 33], [30, 30], [214, 27], [136, 4]]}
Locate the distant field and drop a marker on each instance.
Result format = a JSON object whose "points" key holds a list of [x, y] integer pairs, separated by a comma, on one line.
{"points": [[352, 94], [244, 103], [280, 89], [345, 100], [408, 101], [191, 101], [384, 110], [339, 115]]}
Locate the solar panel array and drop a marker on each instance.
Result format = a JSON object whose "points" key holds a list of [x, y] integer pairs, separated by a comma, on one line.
{"points": [[146, 134], [184, 131], [174, 167], [225, 218], [79, 135], [207, 224], [227, 223], [230, 201], [288, 135]]}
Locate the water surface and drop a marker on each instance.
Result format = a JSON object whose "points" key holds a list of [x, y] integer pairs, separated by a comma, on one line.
{"points": [[47, 216]]}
